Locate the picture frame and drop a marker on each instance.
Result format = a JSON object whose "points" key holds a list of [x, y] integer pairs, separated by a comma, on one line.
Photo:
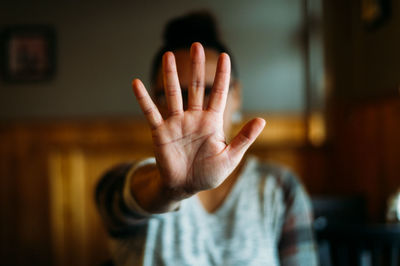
{"points": [[28, 53]]}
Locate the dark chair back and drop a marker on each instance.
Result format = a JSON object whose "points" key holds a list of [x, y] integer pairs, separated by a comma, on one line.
{"points": [[363, 245], [344, 237]]}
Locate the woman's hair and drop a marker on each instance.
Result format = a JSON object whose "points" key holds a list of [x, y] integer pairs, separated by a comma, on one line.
{"points": [[182, 31]]}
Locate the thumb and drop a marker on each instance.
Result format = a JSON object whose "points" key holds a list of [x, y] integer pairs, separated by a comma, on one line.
{"points": [[247, 135]]}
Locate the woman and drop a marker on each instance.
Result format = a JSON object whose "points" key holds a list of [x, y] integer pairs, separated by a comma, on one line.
{"points": [[198, 202]]}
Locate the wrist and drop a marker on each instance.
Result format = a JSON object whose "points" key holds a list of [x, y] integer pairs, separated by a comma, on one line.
{"points": [[172, 193], [149, 192]]}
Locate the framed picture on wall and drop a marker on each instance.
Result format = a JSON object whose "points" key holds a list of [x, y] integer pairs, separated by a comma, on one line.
{"points": [[28, 53]]}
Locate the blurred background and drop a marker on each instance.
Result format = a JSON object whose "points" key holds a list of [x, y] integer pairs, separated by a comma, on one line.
{"points": [[324, 74]]}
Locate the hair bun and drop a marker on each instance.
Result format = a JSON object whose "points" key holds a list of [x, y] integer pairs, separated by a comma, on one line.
{"points": [[181, 32], [193, 27]]}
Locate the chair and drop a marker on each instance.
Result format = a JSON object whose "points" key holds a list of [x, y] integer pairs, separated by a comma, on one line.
{"points": [[363, 245], [339, 209], [344, 237]]}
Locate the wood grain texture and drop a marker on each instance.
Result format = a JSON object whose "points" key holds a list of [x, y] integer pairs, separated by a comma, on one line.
{"points": [[48, 170]]}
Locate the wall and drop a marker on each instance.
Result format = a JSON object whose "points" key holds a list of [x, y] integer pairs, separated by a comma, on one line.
{"points": [[363, 67], [363, 62], [48, 172], [102, 45], [378, 59]]}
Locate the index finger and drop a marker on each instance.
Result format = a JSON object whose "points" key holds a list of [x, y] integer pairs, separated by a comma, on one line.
{"points": [[220, 87]]}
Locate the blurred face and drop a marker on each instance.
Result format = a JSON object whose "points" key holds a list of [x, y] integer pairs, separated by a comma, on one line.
{"points": [[183, 65]]}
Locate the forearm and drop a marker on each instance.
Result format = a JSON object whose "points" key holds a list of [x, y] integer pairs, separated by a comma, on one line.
{"points": [[149, 192], [117, 216]]}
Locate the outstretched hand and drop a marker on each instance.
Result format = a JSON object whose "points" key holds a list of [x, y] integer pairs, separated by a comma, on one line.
{"points": [[189, 145]]}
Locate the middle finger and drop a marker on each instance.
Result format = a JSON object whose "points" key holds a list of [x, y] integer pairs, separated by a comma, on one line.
{"points": [[196, 88]]}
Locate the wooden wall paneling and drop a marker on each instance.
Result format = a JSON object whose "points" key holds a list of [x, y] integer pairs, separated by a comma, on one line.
{"points": [[67, 201], [315, 169], [33, 194], [96, 164], [26, 241], [79, 236], [367, 167], [8, 198], [367, 154], [391, 146], [390, 173], [379, 162], [50, 170], [56, 205]]}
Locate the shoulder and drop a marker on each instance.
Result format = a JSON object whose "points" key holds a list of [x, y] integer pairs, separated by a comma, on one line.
{"points": [[288, 208], [283, 176], [276, 179]]}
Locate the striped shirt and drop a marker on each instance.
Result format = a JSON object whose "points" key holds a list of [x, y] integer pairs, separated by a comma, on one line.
{"points": [[265, 220]]}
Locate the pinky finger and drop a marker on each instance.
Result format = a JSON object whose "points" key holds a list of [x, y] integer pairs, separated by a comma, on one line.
{"points": [[148, 107]]}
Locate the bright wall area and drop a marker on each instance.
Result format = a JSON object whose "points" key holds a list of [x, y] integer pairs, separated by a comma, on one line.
{"points": [[102, 45]]}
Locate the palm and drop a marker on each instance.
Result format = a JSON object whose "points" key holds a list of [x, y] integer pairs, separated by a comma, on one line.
{"points": [[189, 145], [194, 155]]}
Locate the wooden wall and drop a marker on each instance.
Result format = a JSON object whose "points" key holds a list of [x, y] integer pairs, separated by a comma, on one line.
{"points": [[48, 170], [362, 82], [365, 158]]}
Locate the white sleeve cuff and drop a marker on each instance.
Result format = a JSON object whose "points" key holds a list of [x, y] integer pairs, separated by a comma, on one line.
{"points": [[127, 195]]}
